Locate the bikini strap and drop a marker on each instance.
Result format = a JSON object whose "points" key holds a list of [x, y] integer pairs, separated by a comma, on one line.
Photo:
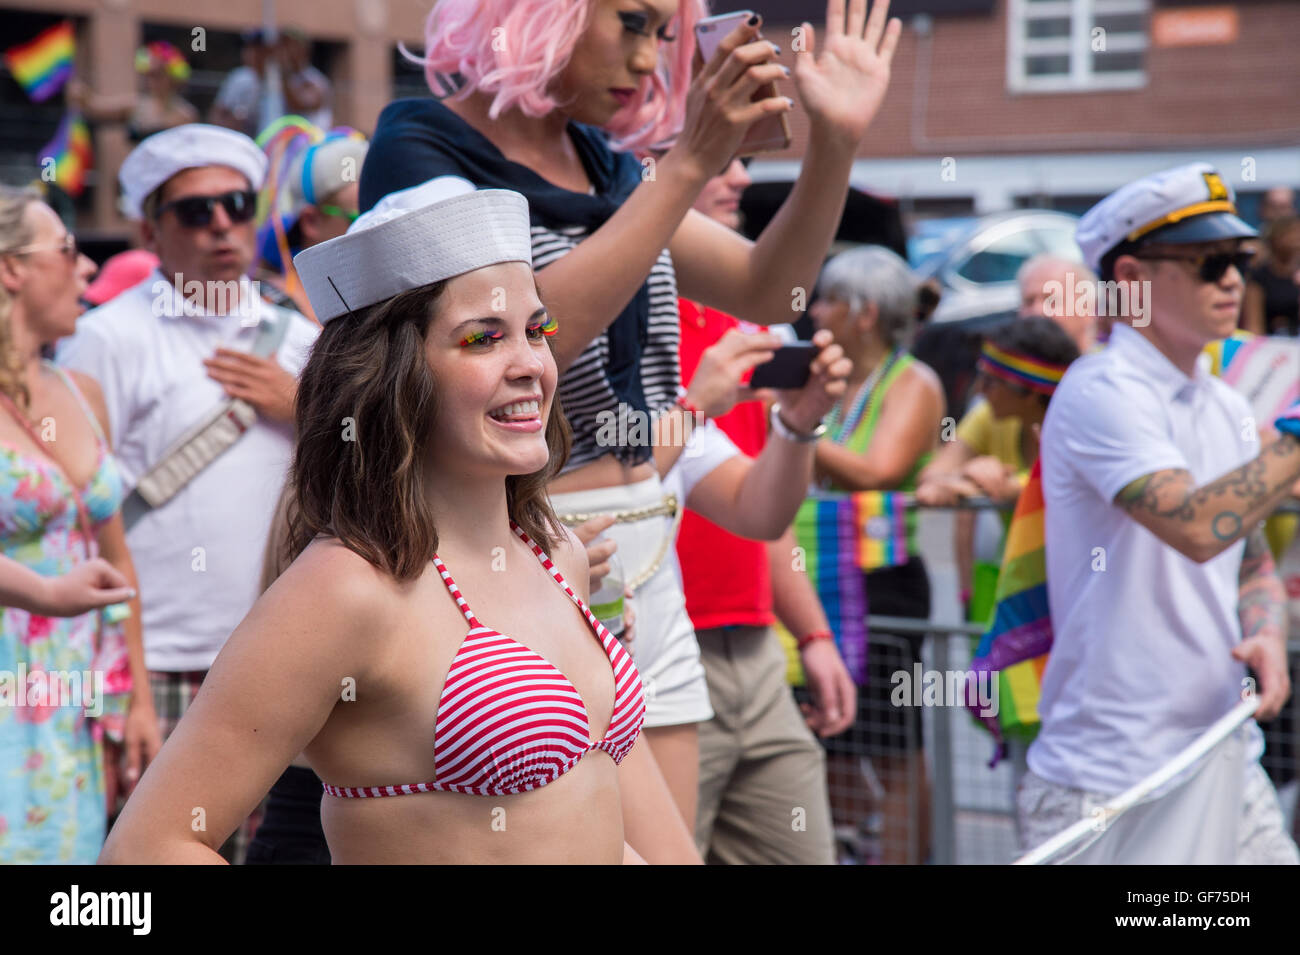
{"points": [[455, 593], [599, 628], [81, 399]]}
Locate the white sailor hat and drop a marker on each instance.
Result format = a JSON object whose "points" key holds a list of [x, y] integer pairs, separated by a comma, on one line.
{"points": [[427, 233], [1191, 203], [164, 154]]}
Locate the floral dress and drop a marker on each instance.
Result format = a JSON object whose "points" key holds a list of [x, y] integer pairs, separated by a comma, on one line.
{"points": [[52, 787]]}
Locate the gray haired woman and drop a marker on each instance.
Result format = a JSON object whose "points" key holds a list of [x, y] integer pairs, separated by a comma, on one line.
{"points": [[879, 438]]}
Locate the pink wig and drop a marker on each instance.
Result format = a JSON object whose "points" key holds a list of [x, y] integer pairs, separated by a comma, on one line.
{"points": [[514, 49]]}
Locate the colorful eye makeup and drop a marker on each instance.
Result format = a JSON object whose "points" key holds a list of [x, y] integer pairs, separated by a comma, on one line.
{"points": [[549, 327], [473, 338]]}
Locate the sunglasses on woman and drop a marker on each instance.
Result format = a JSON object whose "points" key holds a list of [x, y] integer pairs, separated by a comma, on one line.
{"points": [[195, 212], [66, 245], [1212, 267]]}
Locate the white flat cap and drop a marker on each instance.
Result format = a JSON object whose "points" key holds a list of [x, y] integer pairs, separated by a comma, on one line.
{"points": [[427, 233], [164, 154], [1186, 204]]}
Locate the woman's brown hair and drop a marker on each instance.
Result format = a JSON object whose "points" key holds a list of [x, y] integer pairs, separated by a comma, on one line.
{"points": [[366, 401]]}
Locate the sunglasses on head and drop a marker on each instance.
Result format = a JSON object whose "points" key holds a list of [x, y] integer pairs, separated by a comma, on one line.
{"points": [[194, 212], [1212, 266]]}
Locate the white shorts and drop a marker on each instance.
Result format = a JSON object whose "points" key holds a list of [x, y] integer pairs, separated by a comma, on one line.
{"points": [[663, 645]]}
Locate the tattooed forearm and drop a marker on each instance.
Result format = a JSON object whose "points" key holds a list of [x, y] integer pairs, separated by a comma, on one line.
{"points": [[1261, 598], [1202, 521]]}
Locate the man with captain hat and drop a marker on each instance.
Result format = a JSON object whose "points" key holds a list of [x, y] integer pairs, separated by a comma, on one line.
{"points": [[1161, 587], [168, 353]]}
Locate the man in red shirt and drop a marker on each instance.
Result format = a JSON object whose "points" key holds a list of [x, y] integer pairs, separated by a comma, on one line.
{"points": [[763, 796]]}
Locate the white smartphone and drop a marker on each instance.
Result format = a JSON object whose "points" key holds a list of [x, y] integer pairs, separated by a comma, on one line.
{"points": [[769, 134]]}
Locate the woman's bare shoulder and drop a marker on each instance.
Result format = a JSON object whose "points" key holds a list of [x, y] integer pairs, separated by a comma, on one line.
{"points": [[335, 579]]}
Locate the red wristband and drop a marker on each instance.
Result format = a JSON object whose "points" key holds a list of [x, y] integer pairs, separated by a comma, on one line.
{"points": [[808, 638]]}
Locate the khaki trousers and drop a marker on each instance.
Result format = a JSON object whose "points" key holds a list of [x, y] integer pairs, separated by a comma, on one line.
{"points": [[763, 797]]}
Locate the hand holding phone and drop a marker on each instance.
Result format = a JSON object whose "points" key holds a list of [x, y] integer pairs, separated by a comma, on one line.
{"points": [[750, 72], [789, 368]]}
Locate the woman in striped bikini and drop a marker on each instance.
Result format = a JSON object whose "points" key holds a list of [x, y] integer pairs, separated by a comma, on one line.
{"points": [[562, 100], [430, 645]]}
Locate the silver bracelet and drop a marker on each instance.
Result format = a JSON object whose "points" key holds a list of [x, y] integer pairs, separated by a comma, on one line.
{"points": [[783, 431]]}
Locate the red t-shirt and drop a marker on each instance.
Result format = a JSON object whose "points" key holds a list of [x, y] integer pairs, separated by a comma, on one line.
{"points": [[725, 577]]}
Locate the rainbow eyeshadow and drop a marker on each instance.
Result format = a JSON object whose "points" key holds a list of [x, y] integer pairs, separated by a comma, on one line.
{"points": [[473, 338], [551, 326]]}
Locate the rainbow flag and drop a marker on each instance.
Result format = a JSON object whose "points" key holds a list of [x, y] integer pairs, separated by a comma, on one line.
{"points": [[72, 155], [41, 66], [843, 535], [1015, 647]]}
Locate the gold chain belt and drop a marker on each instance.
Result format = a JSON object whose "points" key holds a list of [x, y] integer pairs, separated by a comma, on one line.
{"points": [[665, 508]]}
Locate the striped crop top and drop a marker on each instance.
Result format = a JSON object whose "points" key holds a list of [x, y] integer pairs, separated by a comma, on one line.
{"points": [[508, 720]]}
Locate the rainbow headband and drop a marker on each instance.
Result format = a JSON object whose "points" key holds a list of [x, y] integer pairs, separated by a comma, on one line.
{"points": [[1020, 369]]}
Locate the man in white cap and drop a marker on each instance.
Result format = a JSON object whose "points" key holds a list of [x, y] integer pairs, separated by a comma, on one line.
{"points": [[1154, 487], [171, 352]]}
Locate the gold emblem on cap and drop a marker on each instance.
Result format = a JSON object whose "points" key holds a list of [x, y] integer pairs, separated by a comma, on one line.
{"points": [[1217, 201], [1217, 189]]}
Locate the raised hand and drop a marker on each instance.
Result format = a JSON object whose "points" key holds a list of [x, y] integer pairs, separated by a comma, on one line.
{"points": [[842, 85]]}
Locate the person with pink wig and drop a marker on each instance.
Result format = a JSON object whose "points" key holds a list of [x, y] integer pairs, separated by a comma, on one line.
{"points": [[564, 101]]}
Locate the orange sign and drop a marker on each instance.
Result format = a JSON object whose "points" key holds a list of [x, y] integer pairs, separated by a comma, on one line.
{"points": [[1204, 26]]}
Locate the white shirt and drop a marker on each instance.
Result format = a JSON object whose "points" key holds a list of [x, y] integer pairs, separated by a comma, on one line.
{"points": [[707, 448], [199, 556], [1140, 663]]}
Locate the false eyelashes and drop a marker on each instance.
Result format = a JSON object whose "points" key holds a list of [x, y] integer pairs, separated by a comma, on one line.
{"points": [[473, 338], [548, 328]]}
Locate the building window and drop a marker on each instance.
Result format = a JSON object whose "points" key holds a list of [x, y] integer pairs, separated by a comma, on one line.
{"points": [[1060, 45]]}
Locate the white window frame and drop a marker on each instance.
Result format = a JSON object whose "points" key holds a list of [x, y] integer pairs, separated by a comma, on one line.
{"points": [[1078, 46]]}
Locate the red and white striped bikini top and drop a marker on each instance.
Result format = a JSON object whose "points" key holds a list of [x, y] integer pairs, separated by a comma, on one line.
{"points": [[508, 720]]}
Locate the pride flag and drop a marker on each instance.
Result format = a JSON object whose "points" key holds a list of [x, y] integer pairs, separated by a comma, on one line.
{"points": [[41, 66], [1014, 649], [842, 536], [71, 152]]}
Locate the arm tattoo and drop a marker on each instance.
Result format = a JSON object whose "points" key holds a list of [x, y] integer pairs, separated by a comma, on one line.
{"points": [[1173, 495], [1261, 598]]}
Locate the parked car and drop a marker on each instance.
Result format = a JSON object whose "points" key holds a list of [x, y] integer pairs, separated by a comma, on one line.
{"points": [[975, 259]]}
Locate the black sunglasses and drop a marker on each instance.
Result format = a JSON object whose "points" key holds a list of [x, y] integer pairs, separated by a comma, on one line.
{"points": [[195, 212], [1212, 267]]}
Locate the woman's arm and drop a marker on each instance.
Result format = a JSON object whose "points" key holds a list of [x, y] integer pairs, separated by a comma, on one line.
{"points": [[841, 87], [763, 280], [142, 737], [794, 601], [88, 586], [652, 824], [908, 427], [271, 689]]}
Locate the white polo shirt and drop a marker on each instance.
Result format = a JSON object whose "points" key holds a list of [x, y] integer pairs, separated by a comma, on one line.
{"points": [[199, 556], [1140, 663]]}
